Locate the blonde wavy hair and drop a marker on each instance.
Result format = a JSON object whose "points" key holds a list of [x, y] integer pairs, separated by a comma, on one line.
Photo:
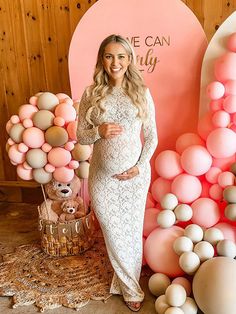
{"points": [[132, 84]]}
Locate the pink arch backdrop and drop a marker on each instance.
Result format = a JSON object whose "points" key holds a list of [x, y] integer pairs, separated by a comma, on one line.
{"points": [[169, 43]]}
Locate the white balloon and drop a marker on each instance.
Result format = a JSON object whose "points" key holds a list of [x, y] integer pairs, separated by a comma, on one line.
{"points": [[161, 305], [204, 250], [183, 212], [226, 248], [169, 201], [166, 218], [182, 244], [189, 262], [190, 306], [194, 232], [175, 295], [213, 235]]}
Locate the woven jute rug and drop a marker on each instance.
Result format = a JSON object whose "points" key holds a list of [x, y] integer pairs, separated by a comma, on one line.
{"points": [[31, 276]]}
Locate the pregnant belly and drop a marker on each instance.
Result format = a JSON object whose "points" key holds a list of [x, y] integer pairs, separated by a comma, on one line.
{"points": [[116, 155]]}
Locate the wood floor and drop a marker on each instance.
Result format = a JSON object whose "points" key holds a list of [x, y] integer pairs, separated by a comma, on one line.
{"points": [[18, 225]]}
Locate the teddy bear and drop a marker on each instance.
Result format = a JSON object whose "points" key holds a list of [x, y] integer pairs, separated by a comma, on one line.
{"points": [[58, 193], [72, 210]]}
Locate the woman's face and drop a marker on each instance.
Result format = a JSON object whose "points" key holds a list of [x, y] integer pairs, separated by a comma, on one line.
{"points": [[115, 61]]}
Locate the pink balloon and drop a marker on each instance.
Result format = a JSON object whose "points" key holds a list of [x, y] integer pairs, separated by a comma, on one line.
{"points": [[33, 100], [188, 139], [225, 67], [159, 252], [223, 163], [205, 125], [69, 101], [27, 111], [33, 137], [229, 104], [16, 156], [160, 187], [26, 165], [206, 212], [22, 148], [62, 96], [65, 111], [184, 282], [226, 178], [228, 230], [63, 174], [69, 146], [10, 142], [28, 123], [216, 192], [230, 88], [46, 147], [71, 129], [216, 105], [221, 143], [212, 174], [205, 189], [186, 188], [15, 119], [167, 164], [59, 121], [150, 220], [49, 168], [73, 164], [150, 201], [59, 157], [215, 90], [196, 160], [24, 174], [231, 42], [221, 119]]}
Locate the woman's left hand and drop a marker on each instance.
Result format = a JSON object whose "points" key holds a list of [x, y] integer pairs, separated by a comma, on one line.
{"points": [[128, 174]]}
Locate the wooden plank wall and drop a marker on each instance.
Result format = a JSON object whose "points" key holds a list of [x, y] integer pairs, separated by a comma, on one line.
{"points": [[34, 41]]}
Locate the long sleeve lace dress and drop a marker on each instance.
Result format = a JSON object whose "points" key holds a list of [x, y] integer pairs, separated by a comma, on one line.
{"points": [[119, 205]]}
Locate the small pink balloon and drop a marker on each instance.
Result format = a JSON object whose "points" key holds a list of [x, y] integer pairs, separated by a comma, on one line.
{"points": [[14, 119], [9, 125], [228, 230], [65, 111], [13, 163], [24, 174], [221, 143], [71, 129], [215, 90], [212, 174], [216, 192], [205, 125], [159, 252], [15, 155], [188, 139], [49, 168], [196, 160], [216, 105], [160, 187], [26, 165], [150, 220], [69, 101], [229, 104], [206, 212], [27, 123], [230, 87], [221, 119], [10, 142], [186, 188], [226, 178], [231, 42], [63, 174], [22, 148], [225, 67], [59, 121], [150, 202], [46, 147], [167, 164], [69, 146], [205, 189], [223, 163], [33, 137], [62, 96], [27, 111], [59, 157], [73, 164], [33, 100]]}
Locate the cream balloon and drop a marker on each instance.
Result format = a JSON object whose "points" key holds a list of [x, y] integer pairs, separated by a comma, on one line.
{"points": [[166, 218], [83, 170], [174, 310], [190, 306], [194, 232], [183, 212], [189, 262], [226, 248], [47, 101], [182, 244], [213, 235], [204, 250], [175, 295], [158, 284], [81, 152], [169, 201], [184, 282], [161, 304]]}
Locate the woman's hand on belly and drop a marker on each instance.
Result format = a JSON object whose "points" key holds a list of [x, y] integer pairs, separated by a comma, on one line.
{"points": [[109, 130], [128, 174]]}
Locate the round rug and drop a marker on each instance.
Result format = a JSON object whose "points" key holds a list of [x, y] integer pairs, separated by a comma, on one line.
{"points": [[32, 276]]}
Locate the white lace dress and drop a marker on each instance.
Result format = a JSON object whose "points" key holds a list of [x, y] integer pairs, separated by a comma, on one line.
{"points": [[120, 205]]}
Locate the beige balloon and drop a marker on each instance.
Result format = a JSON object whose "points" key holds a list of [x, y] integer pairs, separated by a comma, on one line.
{"points": [[16, 132], [43, 119], [81, 152], [56, 136], [47, 101], [158, 284], [83, 170]]}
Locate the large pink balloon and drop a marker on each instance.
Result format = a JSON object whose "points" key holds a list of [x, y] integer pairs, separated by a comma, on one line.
{"points": [[221, 143], [150, 220], [159, 252], [186, 188], [229, 104], [71, 130], [33, 137], [63, 174], [160, 187], [206, 212], [67, 112], [27, 111], [16, 156], [225, 67], [187, 139], [167, 164], [223, 163], [24, 174], [196, 160], [59, 157], [215, 90]]}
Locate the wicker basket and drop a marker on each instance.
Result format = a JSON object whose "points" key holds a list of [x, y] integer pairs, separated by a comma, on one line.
{"points": [[68, 238]]}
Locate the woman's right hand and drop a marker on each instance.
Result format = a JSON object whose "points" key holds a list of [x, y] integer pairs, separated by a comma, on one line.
{"points": [[109, 130]]}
